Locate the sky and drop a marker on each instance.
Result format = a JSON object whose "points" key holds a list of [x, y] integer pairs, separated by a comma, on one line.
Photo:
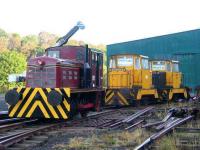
{"points": [[106, 21]]}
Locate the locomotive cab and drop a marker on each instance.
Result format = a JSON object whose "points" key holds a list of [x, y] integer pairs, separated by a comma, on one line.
{"points": [[167, 79], [129, 79]]}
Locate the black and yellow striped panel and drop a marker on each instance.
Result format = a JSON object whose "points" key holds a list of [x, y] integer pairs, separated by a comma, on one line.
{"points": [[34, 104], [122, 98], [115, 97], [108, 97]]}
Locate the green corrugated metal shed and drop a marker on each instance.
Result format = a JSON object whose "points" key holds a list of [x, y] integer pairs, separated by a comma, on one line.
{"points": [[183, 46]]}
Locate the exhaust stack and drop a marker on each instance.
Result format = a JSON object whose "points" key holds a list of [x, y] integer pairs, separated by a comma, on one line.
{"points": [[63, 40]]}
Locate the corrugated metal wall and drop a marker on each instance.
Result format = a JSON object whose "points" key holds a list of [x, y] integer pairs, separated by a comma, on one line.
{"points": [[183, 46]]}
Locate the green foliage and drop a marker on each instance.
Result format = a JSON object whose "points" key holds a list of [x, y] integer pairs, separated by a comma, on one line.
{"points": [[14, 42], [29, 44], [3, 33], [11, 62], [39, 51], [46, 39]]}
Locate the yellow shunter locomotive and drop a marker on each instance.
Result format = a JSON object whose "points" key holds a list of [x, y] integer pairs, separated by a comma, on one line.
{"points": [[129, 80], [167, 79]]}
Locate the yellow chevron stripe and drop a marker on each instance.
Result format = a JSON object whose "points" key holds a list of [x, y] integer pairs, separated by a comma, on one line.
{"points": [[108, 92], [67, 106], [55, 115], [110, 96], [26, 92], [122, 98], [62, 112], [67, 91], [110, 102], [38, 104], [58, 90], [27, 102], [11, 114], [48, 90], [120, 102], [64, 101], [19, 89]]}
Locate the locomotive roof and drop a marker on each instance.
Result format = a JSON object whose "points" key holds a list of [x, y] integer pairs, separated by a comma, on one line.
{"points": [[129, 55], [83, 47], [175, 61]]}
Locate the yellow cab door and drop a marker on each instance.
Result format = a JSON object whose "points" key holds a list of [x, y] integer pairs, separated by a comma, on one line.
{"points": [[169, 74], [176, 75], [146, 74], [137, 72]]}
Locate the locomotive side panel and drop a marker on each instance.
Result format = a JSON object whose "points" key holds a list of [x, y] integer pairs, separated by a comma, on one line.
{"points": [[70, 77]]}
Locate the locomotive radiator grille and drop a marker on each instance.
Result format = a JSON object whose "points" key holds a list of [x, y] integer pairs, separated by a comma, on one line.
{"points": [[35, 103]]}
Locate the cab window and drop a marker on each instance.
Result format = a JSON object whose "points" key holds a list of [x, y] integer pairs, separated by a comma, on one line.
{"points": [[158, 66], [175, 67], [168, 67], [124, 61], [145, 63], [137, 63], [112, 63], [54, 54]]}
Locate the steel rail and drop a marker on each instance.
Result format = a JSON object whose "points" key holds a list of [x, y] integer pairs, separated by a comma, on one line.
{"points": [[134, 125], [14, 125], [148, 125], [157, 135], [5, 121], [24, 135], [132, 117]]}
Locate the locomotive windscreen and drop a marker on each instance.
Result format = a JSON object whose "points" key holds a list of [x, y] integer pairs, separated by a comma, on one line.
{"points": [[54, 54], [41, 77]]}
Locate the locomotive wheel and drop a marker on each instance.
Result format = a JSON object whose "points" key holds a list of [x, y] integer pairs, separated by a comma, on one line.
{"points": [[145, 101], [74, 108], [136, 103], [165, 96]]}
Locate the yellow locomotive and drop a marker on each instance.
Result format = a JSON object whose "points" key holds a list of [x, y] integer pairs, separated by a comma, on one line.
{"points": [[129, 80], [167, 79]]}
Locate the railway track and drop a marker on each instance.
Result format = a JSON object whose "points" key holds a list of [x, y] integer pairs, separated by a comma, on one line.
{"points": [[22, 134], [31, 132]]}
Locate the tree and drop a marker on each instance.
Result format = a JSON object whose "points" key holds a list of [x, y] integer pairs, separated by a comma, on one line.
{"points": [[14, 42], [46, 40], [39, 52], [3, 43], [3, 33], [11, 62], [74, 42], [29, 44]]}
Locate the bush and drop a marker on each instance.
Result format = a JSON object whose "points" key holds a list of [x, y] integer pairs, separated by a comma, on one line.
{"points": [[11, 62]]}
